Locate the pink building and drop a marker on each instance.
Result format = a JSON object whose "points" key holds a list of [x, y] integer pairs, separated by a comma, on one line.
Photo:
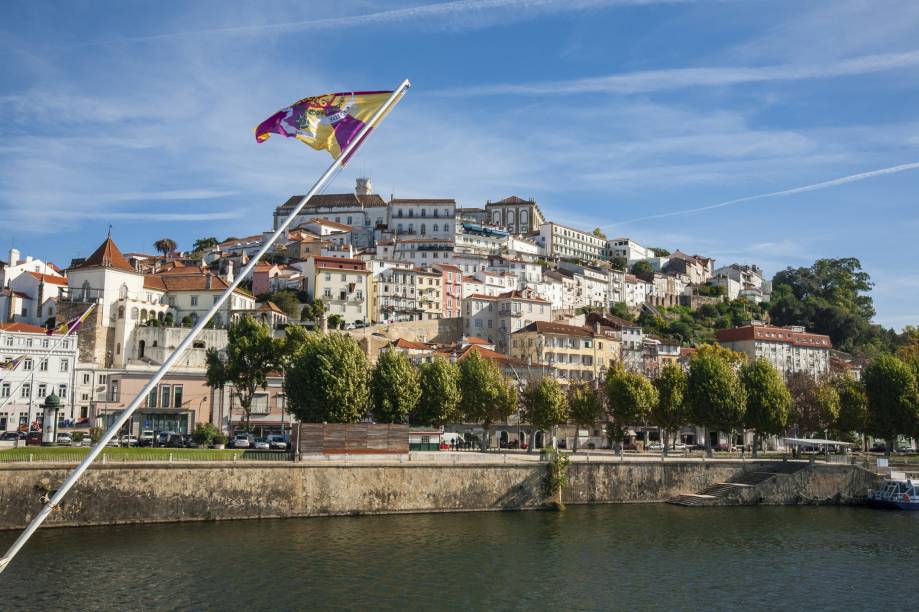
{"points": [[452, 294]]}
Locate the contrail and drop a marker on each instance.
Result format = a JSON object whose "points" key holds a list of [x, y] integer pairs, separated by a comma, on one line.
{"points": [[777, 194], [441, 10]]}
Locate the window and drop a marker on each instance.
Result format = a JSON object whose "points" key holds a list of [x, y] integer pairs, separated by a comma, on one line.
{"points": [[5, 390], [26, 390], [9, 341], [62, 391], [87, 378], [216, 297], [42, 390], [260, 403], [43, 365], [151, 399], [194, 300], [177, 394], [123, 292], [328, 276], [27, 365], [65, 365], [28, 342], [134, 313], [165, 395], [101, 379]]}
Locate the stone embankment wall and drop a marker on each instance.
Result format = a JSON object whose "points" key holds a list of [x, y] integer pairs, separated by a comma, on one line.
{"points": [[113, 494]]}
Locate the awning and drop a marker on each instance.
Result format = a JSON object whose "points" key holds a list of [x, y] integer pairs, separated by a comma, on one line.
{"points": [[817, 442]]}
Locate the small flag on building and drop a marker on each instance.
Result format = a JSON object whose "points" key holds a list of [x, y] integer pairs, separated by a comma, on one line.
{"points": [[328, 122], [72, 325]]}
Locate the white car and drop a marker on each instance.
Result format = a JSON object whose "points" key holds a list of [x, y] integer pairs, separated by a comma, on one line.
{"points": [[129, 441], [241, 440], [655, 447], [262, 444], [277, 442], [147, 438], [64, 439]]}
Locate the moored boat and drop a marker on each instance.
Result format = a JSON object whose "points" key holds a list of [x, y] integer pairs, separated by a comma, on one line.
{"points": [[895, 494]]}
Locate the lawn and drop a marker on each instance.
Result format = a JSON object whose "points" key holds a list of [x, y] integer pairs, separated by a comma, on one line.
{"points": [[64, 454]]}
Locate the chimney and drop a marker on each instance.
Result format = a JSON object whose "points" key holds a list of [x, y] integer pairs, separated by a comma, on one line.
{"points": [[363, 186], [28, 259], [230, 271], [14, 257], [208, 281]]}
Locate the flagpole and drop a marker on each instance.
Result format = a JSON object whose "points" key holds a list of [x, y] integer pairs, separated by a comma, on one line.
{"points": [[151, 384]]}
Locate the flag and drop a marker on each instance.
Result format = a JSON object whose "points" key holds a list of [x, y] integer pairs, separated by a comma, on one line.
{"points": [[12, 364], [72, 325], [329, 122]]}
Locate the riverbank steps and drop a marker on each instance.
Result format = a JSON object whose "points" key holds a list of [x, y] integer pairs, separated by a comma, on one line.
{"points": [[154, 493]]}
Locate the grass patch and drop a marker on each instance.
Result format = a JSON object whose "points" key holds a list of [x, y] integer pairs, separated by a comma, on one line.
{"points": [[64, 453]]}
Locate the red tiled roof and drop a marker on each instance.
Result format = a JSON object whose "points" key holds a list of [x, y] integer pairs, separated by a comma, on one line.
{"points": [[9, 292], [56, 280], [520, 295], [402, 343], [489, 354], [546, 327], [107, 256], [339, 263], [271, 306], [480, 296], [770, 333], [23, 328], [334, 200], [330, 223], [477, 340]]}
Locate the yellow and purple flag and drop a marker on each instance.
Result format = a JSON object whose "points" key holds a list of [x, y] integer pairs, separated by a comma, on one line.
{"points": [[329, 121], [11, 364], [72, 325]]}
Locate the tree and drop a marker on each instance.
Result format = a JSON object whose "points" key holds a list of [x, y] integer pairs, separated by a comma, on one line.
{"points": [[669, 413], [440, 393], [328, 382], [165, 246], [714, 395], [619, 309], [893, 399], [853, 406], [394, 389], [815, 405], [630, 397], [202, 244], [599, 233], [619, 262], [768, 400], [585, 406], [336, 321], [296, 339], [314, 311], [544, 404], [286, 300], [642, 268], [659, 252], [251, 353], [486, 396]]}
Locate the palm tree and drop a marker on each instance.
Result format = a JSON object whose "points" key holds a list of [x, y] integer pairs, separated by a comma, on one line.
{"points": [[165, 246]]}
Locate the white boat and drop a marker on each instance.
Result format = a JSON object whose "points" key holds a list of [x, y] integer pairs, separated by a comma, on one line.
{"points": [[897, 493]]}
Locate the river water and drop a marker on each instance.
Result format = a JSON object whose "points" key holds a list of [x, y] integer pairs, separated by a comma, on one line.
{"points": [[633, 557]]}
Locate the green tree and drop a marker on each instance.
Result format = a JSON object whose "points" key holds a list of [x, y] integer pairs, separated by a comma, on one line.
{"points": [[714, 395], [670, 413], [286, 300], [486, 396], [585, 405], [336, 321], [893, 399], [251, 353], [165, 246], [630, 397], [659, 252], [619, 309], [768, 400], [394, 388], [202, 244], [599, 233], [204, 433], [314, 311], [440, 393], [853, 407], [328, 382], [642, 268], [544, 404], [619, 262], [815, 405]]}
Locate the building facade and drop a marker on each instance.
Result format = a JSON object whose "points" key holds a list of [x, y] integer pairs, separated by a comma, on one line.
{"points": [[789, 349]]}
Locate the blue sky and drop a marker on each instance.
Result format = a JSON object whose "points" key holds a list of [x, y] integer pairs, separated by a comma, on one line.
{"points": [[631, 115]]}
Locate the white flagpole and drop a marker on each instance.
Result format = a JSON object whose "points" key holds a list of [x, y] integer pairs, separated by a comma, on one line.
{"points": [[119, 423]]}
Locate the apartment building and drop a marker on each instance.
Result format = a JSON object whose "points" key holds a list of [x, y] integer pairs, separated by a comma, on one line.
{"points": [[429, 292], [626, 248], [789, 349], [452, 290], [495, 318], [560, 241], [396, 293], [567, 352], [342, 284], [424, 217]]}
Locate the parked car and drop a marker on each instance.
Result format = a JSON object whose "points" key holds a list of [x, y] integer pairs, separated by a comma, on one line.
{"points": [[655, 447], [33, 439], [86, 441], [262, 444], [242, 440], [147, 438], [277, 442], [12, 435], [64, 439], [879, 447], [129, 440], [724, 448]]}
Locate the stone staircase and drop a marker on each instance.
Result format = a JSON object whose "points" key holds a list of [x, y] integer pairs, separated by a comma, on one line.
{"points": [[718, 494]]}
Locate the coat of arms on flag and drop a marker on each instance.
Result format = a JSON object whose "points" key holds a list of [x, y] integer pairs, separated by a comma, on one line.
{"points": [[329, 121]]}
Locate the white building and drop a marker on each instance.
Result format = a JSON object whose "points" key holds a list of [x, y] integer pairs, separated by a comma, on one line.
{"points": [[742, 280], [495, 318], [423, 217], [789, 349], [342, 284], [42, 369], [559, 241], [636, 290], [28, 290], [627, 248]]}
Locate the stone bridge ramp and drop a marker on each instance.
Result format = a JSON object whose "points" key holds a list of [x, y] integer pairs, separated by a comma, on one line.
{"points": [[723, 493]]}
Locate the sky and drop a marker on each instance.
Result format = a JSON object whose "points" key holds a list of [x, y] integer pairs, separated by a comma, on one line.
{"points": [[767, 132]]}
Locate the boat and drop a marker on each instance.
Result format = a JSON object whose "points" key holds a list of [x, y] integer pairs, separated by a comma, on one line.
{"points": [[897, 493]]}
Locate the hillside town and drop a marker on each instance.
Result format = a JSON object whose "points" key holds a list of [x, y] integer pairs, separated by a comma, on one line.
{"points": [[422, 277]]}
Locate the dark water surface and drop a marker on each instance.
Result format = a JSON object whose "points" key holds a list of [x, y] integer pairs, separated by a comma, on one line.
{"points": [[647, 556]]}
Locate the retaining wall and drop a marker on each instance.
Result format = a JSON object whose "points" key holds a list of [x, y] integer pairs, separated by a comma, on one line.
{"points": [[113, 494]]}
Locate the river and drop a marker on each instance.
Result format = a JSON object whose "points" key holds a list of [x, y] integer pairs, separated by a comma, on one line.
{"points": [[587, 558]]}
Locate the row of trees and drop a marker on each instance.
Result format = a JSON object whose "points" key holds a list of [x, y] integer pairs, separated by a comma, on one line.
{"points": [[328, 379]]}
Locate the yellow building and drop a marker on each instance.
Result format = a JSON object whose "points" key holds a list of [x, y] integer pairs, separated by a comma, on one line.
{"points": [[429, 293], [566, 352]]}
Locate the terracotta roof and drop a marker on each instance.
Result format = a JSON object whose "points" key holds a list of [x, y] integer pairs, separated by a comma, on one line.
{"points": [[516, 294], [334, 200], [480, 296], [107, 256], [330, 223], [191, 279], [339, 263], [610, 320], [448, 267], [471, 279], [154, 282], [402, 343], [545, 327], [489, 354], [422, 201], [56, 280], [514, 200], [477, 340], [271, 306], [770, 333], [25, 328], [9, 292]]}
